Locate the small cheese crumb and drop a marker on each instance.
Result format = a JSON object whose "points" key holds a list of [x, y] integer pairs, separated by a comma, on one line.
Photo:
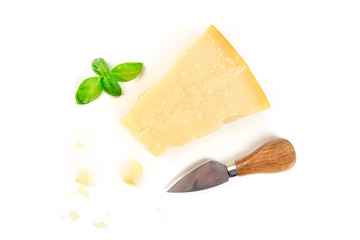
{"points": [[159, 210], [100, 224], [78, 145], [74, 215], [86, 194], [132, 173], [84, 177], [83, 191]]}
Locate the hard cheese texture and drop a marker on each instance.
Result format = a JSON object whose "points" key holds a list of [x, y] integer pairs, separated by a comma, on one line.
{"points": [[209, 85]]}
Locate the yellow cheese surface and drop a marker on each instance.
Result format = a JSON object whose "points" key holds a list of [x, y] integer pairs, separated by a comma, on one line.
{"points": [[209, 85]]}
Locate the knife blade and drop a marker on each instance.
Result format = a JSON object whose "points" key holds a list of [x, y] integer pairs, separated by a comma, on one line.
{"points": [[274, 156]]}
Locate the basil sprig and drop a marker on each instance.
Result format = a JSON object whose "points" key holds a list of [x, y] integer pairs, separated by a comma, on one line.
{"points": [[91, 88]]}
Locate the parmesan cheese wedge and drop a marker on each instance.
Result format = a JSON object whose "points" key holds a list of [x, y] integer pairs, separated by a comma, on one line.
{"points": [[209, 85]]}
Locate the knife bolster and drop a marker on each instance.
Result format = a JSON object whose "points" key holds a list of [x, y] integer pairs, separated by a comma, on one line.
{"points": [[232, 170]]}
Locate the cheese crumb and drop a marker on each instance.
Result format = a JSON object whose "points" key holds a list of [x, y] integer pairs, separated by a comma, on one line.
{"points": [[78, 145], [83, 191], [84, 177], [100, 224], [131, 173], [74, 215]]}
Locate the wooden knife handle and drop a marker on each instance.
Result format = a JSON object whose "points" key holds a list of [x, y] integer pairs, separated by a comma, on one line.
{"points": [[274, 156]]}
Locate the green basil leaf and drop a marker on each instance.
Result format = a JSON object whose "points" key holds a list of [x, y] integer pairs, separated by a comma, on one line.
{"points": [[127, 71], [100, 67], [110, 86], [89, 90]]}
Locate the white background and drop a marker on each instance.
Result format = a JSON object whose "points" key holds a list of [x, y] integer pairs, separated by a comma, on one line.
{"points": [[305, 55]]}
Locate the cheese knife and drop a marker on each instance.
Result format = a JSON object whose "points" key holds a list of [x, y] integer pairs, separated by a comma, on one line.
{"points": [[274, 156]]}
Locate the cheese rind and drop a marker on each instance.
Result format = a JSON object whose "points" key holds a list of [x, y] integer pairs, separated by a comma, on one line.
{"points": [[209, 85]]}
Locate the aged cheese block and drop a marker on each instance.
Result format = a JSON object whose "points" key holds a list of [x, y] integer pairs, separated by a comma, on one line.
{"points": [[209, 85]]}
